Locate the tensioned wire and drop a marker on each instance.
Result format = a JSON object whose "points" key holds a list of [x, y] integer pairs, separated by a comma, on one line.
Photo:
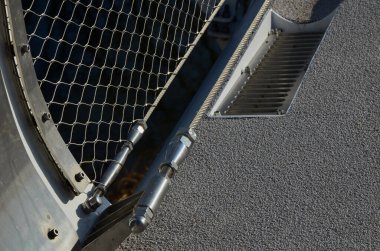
{"points": [[230, 64]]}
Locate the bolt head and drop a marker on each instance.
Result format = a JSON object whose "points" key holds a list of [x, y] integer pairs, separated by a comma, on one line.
{"points": [[45, 117], [53, 233], [92, 203], [25, 48], [79, 176]]}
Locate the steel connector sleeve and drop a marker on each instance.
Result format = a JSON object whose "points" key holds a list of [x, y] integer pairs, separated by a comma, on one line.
{"points": [[150, 201], [155, 192]]}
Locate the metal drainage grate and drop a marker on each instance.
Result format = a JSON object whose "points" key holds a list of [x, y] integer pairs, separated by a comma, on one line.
{"points": [[270, 87]]}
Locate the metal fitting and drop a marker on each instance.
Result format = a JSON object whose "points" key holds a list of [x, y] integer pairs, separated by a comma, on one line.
{"points": [[25, 48], [153, 195], [79, 176], [94, 201], [53, 233], [136, 132], [45, 117]]}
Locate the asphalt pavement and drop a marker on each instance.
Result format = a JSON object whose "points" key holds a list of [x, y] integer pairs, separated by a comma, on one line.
{"points": [[307, 181]]}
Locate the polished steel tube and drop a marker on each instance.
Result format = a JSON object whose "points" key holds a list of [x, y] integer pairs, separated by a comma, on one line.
{"points": [[156, 190], [113, 170]]}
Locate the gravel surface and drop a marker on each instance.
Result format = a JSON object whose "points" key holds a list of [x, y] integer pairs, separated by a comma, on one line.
{"points": [[306, 181], [304, 11]]}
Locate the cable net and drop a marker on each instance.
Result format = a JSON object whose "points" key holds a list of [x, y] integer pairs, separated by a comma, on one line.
{"points": [[101, 64]]}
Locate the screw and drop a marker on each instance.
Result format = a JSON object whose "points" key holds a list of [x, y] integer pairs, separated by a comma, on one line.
{"points": [[53, 233], [45, 117], [79, 176], [217, 113], [25, 48]]}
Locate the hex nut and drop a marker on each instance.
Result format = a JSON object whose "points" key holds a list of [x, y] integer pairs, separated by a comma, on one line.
{"points": [[186, 141]]}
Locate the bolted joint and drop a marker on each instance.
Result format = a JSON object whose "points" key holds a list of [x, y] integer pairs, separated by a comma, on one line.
{"points": [[25, 48], [53, 233], [93, 202], [79, 176], [45, 117]]}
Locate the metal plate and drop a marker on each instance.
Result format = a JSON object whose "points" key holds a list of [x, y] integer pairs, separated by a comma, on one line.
{"points": [[34, 198], [28, 209]]}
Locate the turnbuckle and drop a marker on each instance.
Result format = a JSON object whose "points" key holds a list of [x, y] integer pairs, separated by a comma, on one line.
{"points": [[153, 195], [95, 200]]}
